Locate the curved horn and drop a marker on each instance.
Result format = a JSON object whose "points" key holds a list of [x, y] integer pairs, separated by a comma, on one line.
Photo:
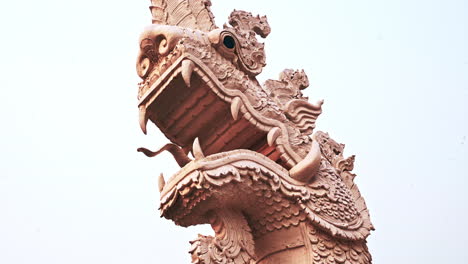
{"points": [[307, 168]]}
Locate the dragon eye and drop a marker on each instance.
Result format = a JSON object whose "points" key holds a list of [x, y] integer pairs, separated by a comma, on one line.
{"points": [[229, 42]]}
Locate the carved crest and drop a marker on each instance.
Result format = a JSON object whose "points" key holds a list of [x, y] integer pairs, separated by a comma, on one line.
{"points": [[241, 39]]}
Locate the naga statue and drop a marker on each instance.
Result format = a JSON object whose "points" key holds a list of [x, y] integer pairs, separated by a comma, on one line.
{"points": [[251, 165]]}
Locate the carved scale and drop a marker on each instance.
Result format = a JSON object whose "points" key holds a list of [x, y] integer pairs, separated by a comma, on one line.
{"points": [[273, 191]]}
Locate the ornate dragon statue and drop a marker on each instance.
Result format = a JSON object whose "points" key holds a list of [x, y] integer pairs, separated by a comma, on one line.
{"points": [[273, 191]]}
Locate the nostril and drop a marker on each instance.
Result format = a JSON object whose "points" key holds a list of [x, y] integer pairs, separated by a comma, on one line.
{"points": [[229, 42]]}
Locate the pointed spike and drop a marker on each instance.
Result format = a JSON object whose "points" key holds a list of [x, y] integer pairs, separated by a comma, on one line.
{"points": [[273, 135], [235, 107], [143, 119], [187, 70], [307, 168], [161, 182], [197, 150]]}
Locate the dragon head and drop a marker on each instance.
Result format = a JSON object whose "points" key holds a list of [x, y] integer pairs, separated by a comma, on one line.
{"points": [[216, 70], [200, 88]]}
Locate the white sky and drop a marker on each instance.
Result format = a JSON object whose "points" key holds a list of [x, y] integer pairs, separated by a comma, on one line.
{"points": [[73, 189]]}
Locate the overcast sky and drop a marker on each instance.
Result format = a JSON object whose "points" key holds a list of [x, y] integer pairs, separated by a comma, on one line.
{"points": [[73, 189]]}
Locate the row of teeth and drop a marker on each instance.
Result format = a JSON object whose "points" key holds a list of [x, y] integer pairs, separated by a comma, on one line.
{"points": [[187, 70], [303, 171]]}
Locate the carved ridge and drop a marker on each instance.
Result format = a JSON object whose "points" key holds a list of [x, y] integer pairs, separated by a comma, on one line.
{"points": [[214, 172]]}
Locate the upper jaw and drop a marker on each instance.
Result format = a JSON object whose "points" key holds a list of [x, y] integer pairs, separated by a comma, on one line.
{"points": [[185, 103], [182, 95], [190, 90]]}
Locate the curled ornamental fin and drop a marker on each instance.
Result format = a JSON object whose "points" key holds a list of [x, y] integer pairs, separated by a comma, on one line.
{"points": [[179, 155]]}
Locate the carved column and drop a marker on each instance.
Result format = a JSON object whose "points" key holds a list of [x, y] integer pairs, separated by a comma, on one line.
{"points": [[233, 242]]}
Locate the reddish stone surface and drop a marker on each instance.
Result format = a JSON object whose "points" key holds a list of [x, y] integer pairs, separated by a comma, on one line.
{"points": [[272, 189]]}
